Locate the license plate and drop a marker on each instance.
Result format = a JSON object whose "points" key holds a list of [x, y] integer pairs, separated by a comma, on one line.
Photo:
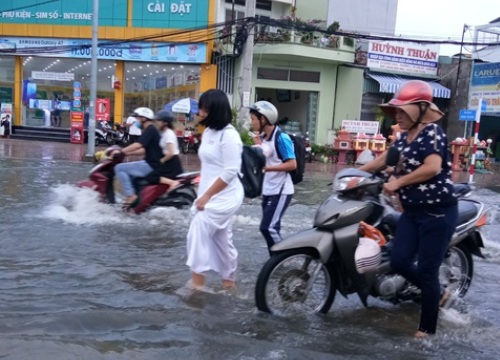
{"points": [[308, 148]]}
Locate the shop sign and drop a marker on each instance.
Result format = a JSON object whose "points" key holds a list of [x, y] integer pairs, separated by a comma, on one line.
{"points": [[76, 13], [5, 94], [46, 75], [76, 117], [102, 110], [485, 84], [167, 14], [177, 14], [403, 57], [110, 50], [360, 126]]}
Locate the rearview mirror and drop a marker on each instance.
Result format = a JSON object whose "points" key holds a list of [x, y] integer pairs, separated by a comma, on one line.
{"points": [[392, 156]]}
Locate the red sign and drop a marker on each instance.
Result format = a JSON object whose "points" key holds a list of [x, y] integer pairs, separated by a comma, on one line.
{"points": [[76, 116], [102, 109]]}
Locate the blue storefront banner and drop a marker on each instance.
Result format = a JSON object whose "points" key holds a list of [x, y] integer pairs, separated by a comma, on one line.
{"points": [[485, 84], [166, 14], [107, 50]]}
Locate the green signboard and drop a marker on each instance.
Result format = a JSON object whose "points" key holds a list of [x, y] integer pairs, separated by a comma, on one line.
{"points": [[164, 14], [170, 14], [6, 94], [62, 12]]}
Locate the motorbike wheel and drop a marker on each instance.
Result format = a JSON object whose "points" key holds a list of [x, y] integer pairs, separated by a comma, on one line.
{"points": [[284, 284], [109, 139], [309, 157], [185, 148], [96, 141], [456, 270]]}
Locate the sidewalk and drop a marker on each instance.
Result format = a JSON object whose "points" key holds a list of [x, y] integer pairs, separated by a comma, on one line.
{"points": [[22, 149]]}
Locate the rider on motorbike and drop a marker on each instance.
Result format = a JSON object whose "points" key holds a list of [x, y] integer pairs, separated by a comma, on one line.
{"points": [[171, 165], [422, 179], [148, 145]]}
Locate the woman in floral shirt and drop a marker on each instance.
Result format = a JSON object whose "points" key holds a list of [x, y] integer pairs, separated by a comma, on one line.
{"points": [[423, 182]]}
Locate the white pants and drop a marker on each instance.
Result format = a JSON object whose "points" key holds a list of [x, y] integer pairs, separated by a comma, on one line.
{"points": [[210, 241]]}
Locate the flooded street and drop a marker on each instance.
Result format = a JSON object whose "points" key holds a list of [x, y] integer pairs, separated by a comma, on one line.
{"points": [[82, 280]]}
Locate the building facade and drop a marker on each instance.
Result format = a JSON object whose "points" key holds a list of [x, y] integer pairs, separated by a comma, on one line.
{"points": [[149, 53]]}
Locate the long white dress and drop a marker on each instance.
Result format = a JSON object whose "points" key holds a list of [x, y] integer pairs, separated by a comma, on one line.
{"points": [[209, 239]]}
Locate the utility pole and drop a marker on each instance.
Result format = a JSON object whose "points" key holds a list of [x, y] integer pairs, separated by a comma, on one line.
{"points": [[93, 82], [245, 83]]}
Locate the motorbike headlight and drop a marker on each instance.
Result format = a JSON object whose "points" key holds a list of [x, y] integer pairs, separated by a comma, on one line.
{"points": [[347, 183]]}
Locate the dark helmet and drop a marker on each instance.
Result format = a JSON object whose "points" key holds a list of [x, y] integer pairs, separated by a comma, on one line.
{"points": [[165, 116]]}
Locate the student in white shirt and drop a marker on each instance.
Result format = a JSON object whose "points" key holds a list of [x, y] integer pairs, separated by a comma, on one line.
{"points": [[220, 193], [171, 165], [134, 131]]}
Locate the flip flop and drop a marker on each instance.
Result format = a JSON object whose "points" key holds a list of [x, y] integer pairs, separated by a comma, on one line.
{"points": [[126, 206]]}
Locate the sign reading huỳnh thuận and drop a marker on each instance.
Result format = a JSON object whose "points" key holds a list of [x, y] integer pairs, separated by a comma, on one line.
{"points": [[360, 126], [403, 57]]}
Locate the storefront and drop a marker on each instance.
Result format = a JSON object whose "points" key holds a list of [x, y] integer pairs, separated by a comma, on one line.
{"points": [[45, 67], [388, 65]]}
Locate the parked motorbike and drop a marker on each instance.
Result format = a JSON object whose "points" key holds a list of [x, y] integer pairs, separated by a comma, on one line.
{"points": [[101, 179], [104, 133], [121, 135], [307, 269], [190, 141]]}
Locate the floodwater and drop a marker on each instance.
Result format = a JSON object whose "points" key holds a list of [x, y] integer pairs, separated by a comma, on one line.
{"points": [[83, 280]]}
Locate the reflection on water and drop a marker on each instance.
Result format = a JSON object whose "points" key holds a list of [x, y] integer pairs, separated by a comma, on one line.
{"points": [[82, 280]]}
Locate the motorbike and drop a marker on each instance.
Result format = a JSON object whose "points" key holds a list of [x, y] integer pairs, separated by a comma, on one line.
{"points": [[190, 140], [307, 269], [104, 133], [121, 135], [101, 179]]}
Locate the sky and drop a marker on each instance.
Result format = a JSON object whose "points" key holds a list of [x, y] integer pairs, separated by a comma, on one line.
{"points": [[443, 19]]}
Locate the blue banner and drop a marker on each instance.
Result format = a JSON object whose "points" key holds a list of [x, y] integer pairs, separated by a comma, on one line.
{"points": [[108, 50]]}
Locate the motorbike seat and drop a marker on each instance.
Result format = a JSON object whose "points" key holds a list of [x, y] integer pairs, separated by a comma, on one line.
{"points": [[466, 211], [462, 189]]}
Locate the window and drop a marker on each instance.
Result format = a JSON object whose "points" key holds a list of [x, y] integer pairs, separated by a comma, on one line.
{"points": [[288, 75], [304, 76], [261, 4], [272, 74]]}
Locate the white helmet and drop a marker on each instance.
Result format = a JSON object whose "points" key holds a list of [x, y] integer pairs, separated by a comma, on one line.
{"points": [[144, 112], [367, 255], [267, 109]]}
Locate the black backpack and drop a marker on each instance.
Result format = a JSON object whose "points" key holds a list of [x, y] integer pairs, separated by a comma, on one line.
{"points": [[300, 155], [253, 162], [251, 174]]}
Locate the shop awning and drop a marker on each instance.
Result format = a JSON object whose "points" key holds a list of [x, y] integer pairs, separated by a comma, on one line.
{"points": [[391, 84]]}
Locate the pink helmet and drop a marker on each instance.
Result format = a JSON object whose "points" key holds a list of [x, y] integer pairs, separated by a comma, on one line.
{"points": [[411, 93]]}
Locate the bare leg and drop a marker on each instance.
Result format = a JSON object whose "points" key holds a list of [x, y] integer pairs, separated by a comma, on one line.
{"points": [[172, 184]]}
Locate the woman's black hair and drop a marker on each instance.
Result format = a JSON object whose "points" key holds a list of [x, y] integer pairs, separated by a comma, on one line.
{"points": [[216, 104]]}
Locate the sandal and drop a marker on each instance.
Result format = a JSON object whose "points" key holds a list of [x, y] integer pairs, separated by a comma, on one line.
{"points": [[129, 205]]}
